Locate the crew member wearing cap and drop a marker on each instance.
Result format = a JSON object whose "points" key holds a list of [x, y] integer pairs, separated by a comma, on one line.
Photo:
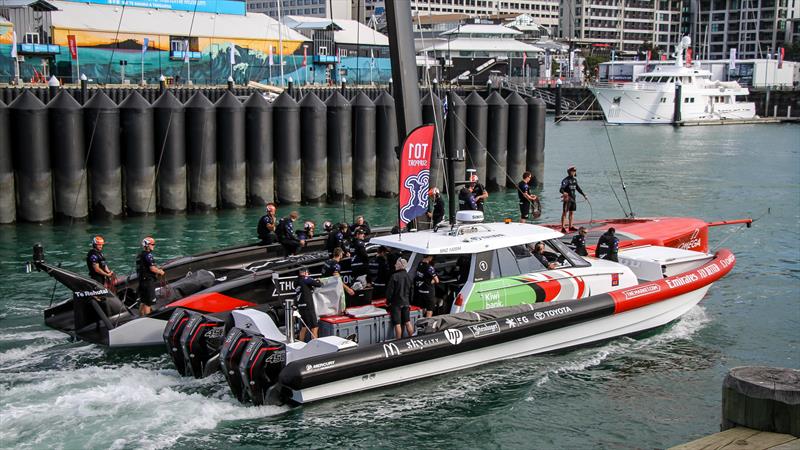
{"points": [[435, 207], [96, 262], [360, 261], [568, 187], [147, 271], [266, 225], [305, 303], [525, 197], [479, 191]]}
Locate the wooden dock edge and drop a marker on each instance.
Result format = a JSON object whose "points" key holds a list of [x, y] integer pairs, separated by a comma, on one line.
{"points": [[741, 438]]}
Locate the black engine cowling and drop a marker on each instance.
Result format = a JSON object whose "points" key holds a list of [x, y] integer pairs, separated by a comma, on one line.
{"points": [[172, 338], [259, 367], [200, 341], [230, 356]]}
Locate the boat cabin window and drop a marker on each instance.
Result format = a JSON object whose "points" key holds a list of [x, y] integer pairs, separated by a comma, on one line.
{"points": [[518, 260]]}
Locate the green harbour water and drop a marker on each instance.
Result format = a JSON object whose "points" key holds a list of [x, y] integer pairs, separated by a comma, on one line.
{"points": [[652, 391]]}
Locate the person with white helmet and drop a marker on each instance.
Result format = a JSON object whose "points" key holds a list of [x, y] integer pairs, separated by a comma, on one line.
{"points": [[266, 225], [96, 262], [147, 271]]}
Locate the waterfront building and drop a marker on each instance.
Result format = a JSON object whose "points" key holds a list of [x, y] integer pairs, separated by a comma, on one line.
{"points": [[339, 9], [624, 26], [755, 28], [342, 49]]}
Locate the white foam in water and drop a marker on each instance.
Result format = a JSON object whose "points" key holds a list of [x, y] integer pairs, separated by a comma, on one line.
{"points": [[31, 335], [119, 407]]}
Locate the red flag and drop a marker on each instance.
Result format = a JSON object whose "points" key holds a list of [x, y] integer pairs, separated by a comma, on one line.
{"points": [[415, 172], [664, 57], [688, 57], [73, 46], [305, 55], [780, 58]]}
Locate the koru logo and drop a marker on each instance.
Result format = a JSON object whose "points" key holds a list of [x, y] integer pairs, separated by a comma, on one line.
{"points": [[483, 266], [454, 336]]}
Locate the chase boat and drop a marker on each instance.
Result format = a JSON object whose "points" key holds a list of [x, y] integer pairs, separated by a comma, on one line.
{"points": [[503, 303]]}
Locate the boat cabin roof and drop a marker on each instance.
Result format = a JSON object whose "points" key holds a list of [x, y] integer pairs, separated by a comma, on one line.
{"points": [[467, 238]]}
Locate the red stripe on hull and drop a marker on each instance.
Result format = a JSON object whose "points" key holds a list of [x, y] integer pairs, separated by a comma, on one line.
{"points": [[656, 291], [212, 302]]}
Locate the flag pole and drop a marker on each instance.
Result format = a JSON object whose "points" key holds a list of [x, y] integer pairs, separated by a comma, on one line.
{"points": [[280, 41]]}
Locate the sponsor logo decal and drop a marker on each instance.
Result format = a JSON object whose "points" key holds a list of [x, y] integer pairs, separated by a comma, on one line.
{"points": [[541, 315], [693, 242], [215, 332], [514, 322], [483, 266], [484, 329], [454, 336], [278, 357], [492, 299], [419, 344], [614, 279], [682, 280], [82, 294], [390, 350], [450, 249], [319, 366], [638, 292]]}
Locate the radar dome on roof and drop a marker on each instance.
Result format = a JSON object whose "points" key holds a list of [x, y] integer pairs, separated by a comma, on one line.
{"points": [[469, 217]]}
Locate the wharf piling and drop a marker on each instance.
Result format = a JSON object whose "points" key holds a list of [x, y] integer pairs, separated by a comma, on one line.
{"points": [[104, 153]]}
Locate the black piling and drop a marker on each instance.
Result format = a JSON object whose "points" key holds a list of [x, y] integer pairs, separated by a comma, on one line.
{"points": [[8, 211], [258, 147], [387, 167], [497, 142], [432, 114], [170, 151], [517, 137], [455, 135], [340, 153], [230, 142], [136, 142], [286, 126], [68, 157], [201, 152], [30, 144], [364, 182], [101, 135], [477, 123], [313, 148], [534, 159], [84, 90]]}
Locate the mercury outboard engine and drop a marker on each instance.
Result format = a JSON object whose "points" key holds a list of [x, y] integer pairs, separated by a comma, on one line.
{"points": [[200, 341], [260, 365], [172, 337], [230, 356]]}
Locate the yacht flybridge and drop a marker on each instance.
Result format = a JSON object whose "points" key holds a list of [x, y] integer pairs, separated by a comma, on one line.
{"points": [[502, 302], [651, 97]]}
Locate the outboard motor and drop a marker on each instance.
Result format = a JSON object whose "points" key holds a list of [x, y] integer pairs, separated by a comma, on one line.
{"points": [[260, 366], [230, 356], [200, 343], [172, 337]]}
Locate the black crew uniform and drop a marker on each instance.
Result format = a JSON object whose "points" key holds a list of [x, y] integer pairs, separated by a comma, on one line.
{"points": [[360, 262], [287, 236], [437, 210], [266, 235], [477, 191], [398, 296], [524, 204], [305, 300], [466, 200], [95, 256], [542, 259], [380, 272], [579, 242], [331, 267], [364, 226], [425, 295], [569, 185], [147, 279], [607, 247], [336, 239]]}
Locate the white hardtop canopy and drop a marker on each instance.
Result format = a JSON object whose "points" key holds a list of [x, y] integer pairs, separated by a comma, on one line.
{"points": [[471, 238], [665, 70]]}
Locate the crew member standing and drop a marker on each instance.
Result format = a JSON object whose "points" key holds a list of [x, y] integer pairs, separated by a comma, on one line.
{"points": [[379, 272], [336, 239], [286, 235], [568, 187], [333, 268], [96, 262], [266, 225], [147, 271], [466, 198], [360, 223], [435, 207], [305, 303], [579, 242], [398, 298], [360, 261], [425, 280], [479, 191], [525, 197], [608, 246]]}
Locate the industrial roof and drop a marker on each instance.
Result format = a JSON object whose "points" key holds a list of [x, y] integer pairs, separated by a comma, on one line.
{"points": [[83, 16], [474, 28], [36, 5], [482, 237], [352, 31], [482, 45]]}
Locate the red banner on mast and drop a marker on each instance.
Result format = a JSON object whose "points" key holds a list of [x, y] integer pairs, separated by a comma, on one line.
{"points": [[73, 46], [415, 173]]}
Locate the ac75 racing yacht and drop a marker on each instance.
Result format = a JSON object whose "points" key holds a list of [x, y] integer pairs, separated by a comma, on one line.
{"points": [[503, 303]]}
